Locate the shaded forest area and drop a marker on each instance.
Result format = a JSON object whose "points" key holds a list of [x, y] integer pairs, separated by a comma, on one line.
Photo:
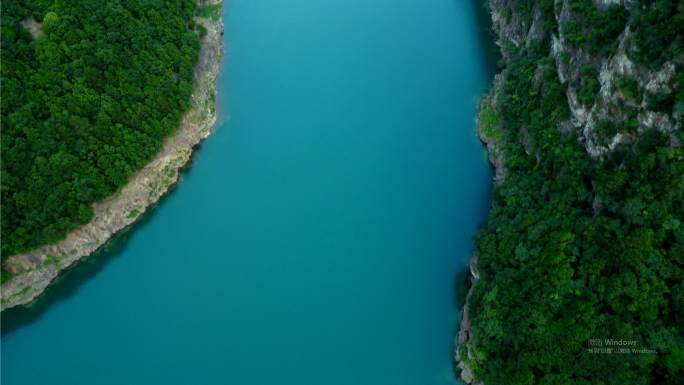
{"points": [[84, 104], [578, 248]]}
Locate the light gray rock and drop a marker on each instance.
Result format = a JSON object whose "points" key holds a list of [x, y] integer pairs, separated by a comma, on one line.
{"points": [[466, 373]]}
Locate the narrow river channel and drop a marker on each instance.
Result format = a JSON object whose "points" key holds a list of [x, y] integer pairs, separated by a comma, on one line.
{"points": [[322, 233]]}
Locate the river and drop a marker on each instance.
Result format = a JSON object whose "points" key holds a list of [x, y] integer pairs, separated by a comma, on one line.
{"points": [[322, 233]]}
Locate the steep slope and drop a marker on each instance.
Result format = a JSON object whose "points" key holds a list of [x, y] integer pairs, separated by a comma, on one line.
{"points": [[585, 241]]}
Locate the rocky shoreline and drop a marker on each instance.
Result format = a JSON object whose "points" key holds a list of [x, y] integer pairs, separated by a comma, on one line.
{"points": [[497, 159], [34, 271]]}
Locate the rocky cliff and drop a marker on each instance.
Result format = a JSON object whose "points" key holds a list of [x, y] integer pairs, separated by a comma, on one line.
{"points": [[606, 93]]}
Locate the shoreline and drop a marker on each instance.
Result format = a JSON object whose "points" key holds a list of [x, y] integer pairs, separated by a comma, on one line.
{"points": [[497, 160], [33, 272]]}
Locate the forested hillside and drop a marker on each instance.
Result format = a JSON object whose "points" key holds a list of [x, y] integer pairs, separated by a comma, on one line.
{"points": [[585, 240], [85, 103]]}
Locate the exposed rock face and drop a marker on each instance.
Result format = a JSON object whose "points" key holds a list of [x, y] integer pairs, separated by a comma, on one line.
{"points": [[494, 146], [33, 26], [514, 31], [35, 270], [585, 117], [466, 330]]}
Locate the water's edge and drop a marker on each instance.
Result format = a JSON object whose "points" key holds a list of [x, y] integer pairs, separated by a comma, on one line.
{"points": [[329, 221], [36, 270], [498, 161]]}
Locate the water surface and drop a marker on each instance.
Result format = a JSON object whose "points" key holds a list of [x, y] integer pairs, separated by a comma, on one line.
{"points": [[320, 233]]}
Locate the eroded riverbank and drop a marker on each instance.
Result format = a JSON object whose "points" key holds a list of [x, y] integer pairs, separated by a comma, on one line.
{"points": [[34, 271]]}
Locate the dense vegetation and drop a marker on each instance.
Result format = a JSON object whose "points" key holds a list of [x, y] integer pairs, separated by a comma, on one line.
{"points": [[85, 104], [604, 27], [578, 249]]}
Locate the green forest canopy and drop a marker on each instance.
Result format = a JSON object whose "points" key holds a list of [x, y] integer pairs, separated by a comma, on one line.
{"points": [[576, 248], [85, 104]]}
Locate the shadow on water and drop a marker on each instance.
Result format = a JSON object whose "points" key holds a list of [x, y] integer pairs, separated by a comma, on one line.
{"points": [[462, 286], [70, 281], [491, 53], [463, 281]]}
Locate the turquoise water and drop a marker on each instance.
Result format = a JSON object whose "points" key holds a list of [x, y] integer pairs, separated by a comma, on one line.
{"points": [[321, 235]]}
